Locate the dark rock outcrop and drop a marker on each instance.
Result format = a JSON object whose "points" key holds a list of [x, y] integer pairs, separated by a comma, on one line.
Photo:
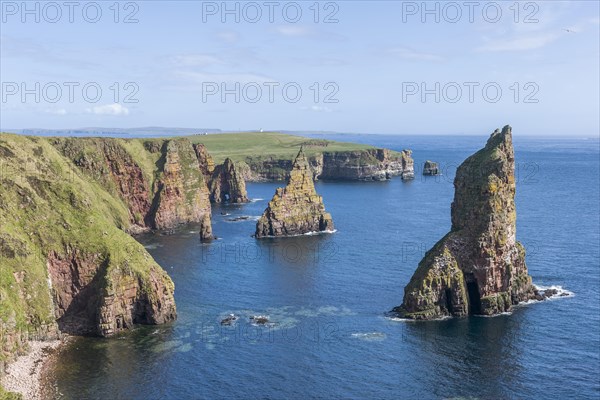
{"points": [[227, 184], [479, 267], [431, 168], [296, 209]]}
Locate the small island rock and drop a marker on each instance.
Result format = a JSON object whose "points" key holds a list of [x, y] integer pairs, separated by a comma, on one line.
{"points": [[431, 168]]}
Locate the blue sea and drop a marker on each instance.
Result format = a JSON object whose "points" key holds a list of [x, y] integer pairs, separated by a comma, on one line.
{"points": [[326, 296]]}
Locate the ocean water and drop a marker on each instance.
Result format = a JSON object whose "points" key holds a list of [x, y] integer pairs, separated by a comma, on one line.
{"points": [[326, 297]]}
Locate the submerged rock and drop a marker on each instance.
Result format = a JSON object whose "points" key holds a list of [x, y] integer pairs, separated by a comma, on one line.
{"points": [[259, 319], [229, 320], [227, 184], [297, 208], [431, 168], [478, 267]]}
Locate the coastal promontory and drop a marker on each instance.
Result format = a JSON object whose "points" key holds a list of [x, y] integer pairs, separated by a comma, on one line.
{"points": [[479, 266], [296, 209]]}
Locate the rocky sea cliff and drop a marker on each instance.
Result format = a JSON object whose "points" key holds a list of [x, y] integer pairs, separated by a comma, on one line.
{"points": [[68, 208]]}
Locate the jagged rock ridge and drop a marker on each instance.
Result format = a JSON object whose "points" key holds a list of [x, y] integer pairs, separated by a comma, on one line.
{"points": [[478, 267], [296, 209]]}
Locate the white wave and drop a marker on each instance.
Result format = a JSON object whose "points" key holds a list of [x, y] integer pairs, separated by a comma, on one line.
{"points": [[558, 288], [312, 233], [319, 232], [370, 336], [255, 200], [493, 315], [399, 319], [560, 292], [152, 246]]}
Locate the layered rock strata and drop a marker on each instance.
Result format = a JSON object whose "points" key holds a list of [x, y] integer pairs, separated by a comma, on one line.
{"points": [[296, 209], [363, 165], [479, 266]]}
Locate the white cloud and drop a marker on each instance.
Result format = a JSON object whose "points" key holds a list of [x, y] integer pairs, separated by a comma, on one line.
{"points": [[109, 109], [316, 108], [59, 111], [196, 60], [523, 43], [293, 30], [228, 36], [201, 77], [409, 54]]}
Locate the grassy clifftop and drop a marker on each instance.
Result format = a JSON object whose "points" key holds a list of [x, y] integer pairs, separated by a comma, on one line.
{"points": [[238, 146]]}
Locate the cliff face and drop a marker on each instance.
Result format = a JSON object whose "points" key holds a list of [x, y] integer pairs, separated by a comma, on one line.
{"points": [[297, 208], [479, 267], [375, 164], [205, 160], [162, 182], [227, 184], [66, 262], [95, 295], [181, 192], [365, 165]]}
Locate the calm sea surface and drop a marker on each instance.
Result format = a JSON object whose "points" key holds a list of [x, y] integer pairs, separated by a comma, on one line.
{"points": [[327, 295]]}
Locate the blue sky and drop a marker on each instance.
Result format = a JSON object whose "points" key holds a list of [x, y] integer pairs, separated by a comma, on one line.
{"points": [[374, 61]]}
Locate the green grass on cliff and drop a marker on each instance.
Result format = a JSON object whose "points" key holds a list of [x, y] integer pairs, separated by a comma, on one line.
{"points": [[238, 146], [47, 204], [4, 395]]}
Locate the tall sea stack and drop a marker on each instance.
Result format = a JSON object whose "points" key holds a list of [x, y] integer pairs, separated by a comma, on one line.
{"points": [[297, 208], [227, 184], [478, 267]]}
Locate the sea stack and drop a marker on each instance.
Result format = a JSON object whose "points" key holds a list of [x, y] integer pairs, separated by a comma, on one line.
{"points": [[478, 267], [431, 168], [296, 209], [227, 184]]}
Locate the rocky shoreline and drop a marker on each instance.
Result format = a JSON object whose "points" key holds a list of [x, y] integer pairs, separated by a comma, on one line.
{"points": [[27, 374]]}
